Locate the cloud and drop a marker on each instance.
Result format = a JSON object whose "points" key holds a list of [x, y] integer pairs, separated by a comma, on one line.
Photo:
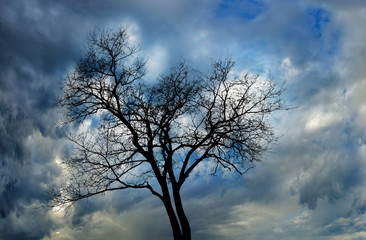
{"points": [[157, 62], [310, 185], [105, 218], [31, 54]]}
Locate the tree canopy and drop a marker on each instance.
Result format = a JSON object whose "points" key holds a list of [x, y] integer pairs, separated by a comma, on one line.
{"points": [[153, 135]]}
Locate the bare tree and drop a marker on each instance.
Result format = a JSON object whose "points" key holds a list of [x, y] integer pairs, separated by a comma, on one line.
{"points": [[152, 136]]}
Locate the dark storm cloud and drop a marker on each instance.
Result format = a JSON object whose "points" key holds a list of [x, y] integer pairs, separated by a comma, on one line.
{"points": [[35, 51], [13, 152]]}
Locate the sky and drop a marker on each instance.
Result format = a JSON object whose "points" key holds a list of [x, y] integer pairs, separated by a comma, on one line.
{"points": [[311, 185]]}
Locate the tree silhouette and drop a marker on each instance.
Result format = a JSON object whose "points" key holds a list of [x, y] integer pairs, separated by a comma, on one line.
{"points": [[152, 136]]}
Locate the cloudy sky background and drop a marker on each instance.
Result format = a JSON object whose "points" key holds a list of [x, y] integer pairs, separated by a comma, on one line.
{"points": [[311, 186]]}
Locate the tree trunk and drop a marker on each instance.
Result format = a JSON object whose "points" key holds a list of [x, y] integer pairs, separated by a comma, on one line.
{"points": [[184, 223], [178, 219], [177, 234]]}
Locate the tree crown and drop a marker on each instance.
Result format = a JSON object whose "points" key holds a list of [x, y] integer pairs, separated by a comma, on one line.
{"points": [[160, 131]]}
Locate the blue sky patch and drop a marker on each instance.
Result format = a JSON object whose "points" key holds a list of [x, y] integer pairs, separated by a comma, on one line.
{"points": [[318, 19], [246, 10]]}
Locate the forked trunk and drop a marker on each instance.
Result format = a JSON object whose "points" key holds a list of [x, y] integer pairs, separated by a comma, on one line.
{"points": [[178, 219], [177, 234]]}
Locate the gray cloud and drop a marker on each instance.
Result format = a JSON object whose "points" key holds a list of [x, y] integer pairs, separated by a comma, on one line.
{"points": [[34, 52]]}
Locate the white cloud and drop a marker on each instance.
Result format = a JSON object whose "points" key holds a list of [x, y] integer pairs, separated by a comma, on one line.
{"points": [[157, 61], [290, 72], [319, 119]]}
